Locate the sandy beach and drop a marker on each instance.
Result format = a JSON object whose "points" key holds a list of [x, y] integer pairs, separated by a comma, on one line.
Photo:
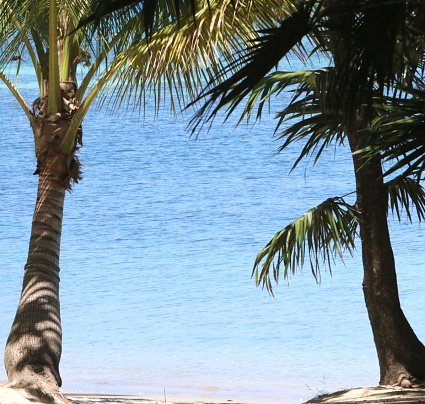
{"points": [[365, 395], [172, 399], [24, 396], [97, 399]]}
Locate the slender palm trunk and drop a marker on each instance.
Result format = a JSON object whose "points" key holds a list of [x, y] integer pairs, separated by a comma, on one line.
{"points": [[34, 346], [401, 355], [33, 349]]}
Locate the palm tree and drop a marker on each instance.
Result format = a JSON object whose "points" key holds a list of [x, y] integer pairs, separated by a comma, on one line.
{"points": [[135, 52], [375, 50]]}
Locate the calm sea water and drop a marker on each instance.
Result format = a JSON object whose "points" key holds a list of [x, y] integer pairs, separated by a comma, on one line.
{"points": [[158, 245]]}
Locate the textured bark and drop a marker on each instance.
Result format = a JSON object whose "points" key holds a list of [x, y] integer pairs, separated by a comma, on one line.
{"points": [[33, 348], [401, 355]]}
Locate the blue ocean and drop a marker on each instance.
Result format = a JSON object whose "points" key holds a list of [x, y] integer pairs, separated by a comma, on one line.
{"points": [[159, 241]]}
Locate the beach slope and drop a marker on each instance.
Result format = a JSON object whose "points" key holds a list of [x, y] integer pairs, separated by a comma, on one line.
{"points": [[372, 395]]}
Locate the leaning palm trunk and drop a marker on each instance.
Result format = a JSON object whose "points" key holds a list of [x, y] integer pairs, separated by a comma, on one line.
{"points": [[33, 349], [401, 355]]}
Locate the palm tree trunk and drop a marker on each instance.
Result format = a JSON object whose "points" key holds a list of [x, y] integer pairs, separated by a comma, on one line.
{"points": [[33, 348], [401, 355]]}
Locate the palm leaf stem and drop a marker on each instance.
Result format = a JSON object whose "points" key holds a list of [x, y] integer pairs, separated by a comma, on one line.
{"points": [[54, 82], [41, 53], [17, 72], [66, 54], [68, 141], [17, 95], [30, 50], [95, 66]]}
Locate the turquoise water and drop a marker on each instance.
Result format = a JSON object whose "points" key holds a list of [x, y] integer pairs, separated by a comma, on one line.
{"points": [[158, 245]]}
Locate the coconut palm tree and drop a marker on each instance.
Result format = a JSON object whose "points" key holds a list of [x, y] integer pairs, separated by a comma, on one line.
{"points": [[376, 48], [126, 55]]}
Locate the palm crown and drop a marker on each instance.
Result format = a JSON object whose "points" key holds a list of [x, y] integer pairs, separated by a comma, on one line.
{"points": [[177, 53]]}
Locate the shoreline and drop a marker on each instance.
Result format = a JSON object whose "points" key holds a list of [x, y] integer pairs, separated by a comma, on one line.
{"points": [[92, 398]]}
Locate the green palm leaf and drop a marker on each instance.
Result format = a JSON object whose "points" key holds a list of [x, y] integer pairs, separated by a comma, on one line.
{"points": [[177, 58], [326, 231], [264, 52], [398, 130], [406, 194], [149, 11], [181, 56], [321, 234], [311, 115]]}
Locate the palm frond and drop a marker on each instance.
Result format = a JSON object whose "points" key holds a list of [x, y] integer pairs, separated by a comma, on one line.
{"points": [[372, 41], [181, 58], [312, 114], [25, 24], [273, 85], [321, 234], [17, 95], [151, 11], [263, 54], [100, 8], [406, 194], [398, 131]]}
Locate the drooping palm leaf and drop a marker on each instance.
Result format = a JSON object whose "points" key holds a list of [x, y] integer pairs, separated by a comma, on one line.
{"points": [[326, 231], [320, 235], [406, 194], [311, 115], [398, 132]]}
